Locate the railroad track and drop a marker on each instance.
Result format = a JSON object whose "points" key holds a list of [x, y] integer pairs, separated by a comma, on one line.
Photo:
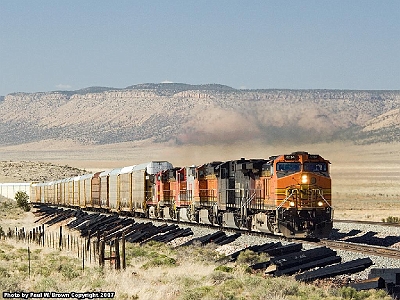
{"points": [[340, 245], [334, 244], [360, 248], [367, 222]]}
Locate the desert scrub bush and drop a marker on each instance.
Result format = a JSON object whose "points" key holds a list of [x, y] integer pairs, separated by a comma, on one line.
{"points": [[12, 283], [351, 293], [21, 267], [203, 254], [69, 270], [136, 250], [157, 260], [22, 200], [249, 257], [391, 219], [153, 253], [45, 284], [218, 277], [95, 277], [201, 292], [125, 296], [4, 272], [9, 209], [254, 286], [224, 268]]}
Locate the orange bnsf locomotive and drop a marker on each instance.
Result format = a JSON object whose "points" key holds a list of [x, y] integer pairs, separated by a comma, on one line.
{"points": [[287, 195]]}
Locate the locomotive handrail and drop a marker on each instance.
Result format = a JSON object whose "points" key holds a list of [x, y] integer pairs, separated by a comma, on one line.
{"points": [[249, 199], [286, 199], [322, 196]]}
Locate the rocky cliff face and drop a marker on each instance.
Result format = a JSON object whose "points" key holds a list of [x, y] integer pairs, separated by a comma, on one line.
{"points": [[181, 113]]}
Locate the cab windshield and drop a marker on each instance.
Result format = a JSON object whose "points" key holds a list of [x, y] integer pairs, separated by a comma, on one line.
{"points": [[287, 168], [316, 167]]}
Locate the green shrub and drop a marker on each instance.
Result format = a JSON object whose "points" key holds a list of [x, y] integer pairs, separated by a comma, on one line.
{"points": [[391, 219], [249, 257], [224, 268], [22, 200], [159, 260]]}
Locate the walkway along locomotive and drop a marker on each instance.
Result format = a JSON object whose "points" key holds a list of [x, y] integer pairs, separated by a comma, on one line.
{"points": [[287, 195]]}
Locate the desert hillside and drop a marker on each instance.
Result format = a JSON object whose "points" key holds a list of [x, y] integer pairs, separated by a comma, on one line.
{"points": [[198, 115], [29, 171]]}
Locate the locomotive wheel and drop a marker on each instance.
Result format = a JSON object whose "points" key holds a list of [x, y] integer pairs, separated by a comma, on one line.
{"points": [[270, 225], [218, 219], [172, 213], [238, 220], [210, 216], [192, 215]]}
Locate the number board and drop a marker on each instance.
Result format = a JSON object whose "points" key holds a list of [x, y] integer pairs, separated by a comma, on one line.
{"points": [[291, 157]]}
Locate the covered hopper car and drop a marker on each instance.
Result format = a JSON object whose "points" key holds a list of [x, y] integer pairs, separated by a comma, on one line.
{"points": [[287, 195]]}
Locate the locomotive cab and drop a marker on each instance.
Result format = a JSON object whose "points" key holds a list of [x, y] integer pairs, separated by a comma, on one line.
{"points": [[301, 196]]}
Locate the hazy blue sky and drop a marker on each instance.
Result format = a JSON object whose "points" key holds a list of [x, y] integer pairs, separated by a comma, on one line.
{"points": [[72, 44]]}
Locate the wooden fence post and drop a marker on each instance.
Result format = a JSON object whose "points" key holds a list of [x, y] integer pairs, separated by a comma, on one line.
{"points": [[60, 239], [101, 253], [123, 252], [117, 257], [43, 233], [29, 262]]}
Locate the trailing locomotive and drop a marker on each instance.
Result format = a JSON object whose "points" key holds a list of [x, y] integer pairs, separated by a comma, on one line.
{"points": [[287, 195]]}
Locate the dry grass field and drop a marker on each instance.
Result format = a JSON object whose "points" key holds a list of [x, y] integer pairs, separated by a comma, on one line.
{"points": [[365, 178]]}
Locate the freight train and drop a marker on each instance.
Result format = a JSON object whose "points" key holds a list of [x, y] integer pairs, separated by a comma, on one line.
{"points": [[288, 195]]}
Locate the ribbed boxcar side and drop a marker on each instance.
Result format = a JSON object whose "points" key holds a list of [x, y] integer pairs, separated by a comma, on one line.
{"points": [[45, 192], [57, 192], [85, 190], [105, 189], [35, 192], [75, 192], [88, 190], [40, 191], [69, 185], [138, 190], [48, 193], [125, 189], [114, 189], [64, 192], [95, 190]]}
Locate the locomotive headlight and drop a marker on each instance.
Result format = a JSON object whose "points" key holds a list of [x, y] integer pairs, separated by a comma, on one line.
{"points": [[291, 203], [304, 179], [320, 203]]}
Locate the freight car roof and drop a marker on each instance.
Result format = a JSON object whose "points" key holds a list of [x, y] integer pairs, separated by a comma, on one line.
{"points": [[154, 167]]}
